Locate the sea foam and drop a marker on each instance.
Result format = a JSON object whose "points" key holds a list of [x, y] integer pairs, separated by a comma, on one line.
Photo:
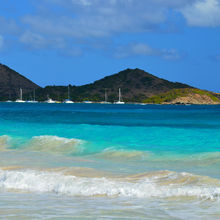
{"points": [[163, 184]]}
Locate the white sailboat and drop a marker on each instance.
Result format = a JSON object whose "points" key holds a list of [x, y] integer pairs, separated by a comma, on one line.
{"points": [[20, 99], [9, 100], [119, 97], [68, 101], [34, 100], [106, 98]]}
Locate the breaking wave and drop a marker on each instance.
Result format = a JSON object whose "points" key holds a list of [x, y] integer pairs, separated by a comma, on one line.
{"points": [[73, 147], [162, 184], [44, 143], [54, 144]]}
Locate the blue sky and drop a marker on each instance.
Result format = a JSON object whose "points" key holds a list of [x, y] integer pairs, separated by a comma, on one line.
{"points": [[60, 42]]}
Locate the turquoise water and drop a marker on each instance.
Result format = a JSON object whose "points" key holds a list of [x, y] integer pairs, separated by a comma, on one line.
{"points": [[97, 161]]}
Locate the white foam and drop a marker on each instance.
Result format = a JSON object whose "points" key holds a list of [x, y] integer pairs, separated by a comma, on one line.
{"points": [[144, 187]]}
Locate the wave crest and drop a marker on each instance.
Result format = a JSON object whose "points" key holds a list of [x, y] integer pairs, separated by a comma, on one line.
{"points": [[163, 184], [54, 144]]}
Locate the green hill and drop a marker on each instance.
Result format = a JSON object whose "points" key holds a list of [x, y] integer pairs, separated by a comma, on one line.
{"points": [[11, 82], [184, 96], [136, 85]]}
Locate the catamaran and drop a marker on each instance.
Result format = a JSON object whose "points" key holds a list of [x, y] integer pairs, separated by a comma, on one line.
{"points": [[20, 100], [119, 97], [68, 101]]}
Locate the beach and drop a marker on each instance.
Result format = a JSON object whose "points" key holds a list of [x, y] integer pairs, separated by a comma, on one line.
{"points": [[106, 161]]}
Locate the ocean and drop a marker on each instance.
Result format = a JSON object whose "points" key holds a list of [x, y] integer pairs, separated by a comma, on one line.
{"points": [[104, 161]]}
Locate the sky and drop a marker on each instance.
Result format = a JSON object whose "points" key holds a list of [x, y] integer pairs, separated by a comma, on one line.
{"points": [[61, 42]]}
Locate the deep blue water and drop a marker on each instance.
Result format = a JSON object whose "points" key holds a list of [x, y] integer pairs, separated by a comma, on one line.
{"points": [[148, 128]]}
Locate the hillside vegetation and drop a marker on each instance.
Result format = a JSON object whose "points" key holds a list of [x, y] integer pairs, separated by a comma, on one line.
{"points": [[184, 96], [11, 82], [136, 86]]}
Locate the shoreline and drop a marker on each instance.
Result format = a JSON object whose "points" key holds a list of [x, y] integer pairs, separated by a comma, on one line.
{"points": [[101, 103]]}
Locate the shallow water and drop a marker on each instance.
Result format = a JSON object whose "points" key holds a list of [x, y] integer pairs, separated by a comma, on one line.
{"points": [[96, 161]]}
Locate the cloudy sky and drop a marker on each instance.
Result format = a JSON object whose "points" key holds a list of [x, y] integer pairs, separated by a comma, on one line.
{"points": [[79, 41]]}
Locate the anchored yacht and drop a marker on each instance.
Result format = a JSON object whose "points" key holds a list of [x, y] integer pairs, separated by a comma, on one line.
{"points": [[119, 98], [68, 101], [20, 99]]}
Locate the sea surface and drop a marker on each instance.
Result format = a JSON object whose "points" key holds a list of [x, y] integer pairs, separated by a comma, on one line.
{"points": [[103, 161]]}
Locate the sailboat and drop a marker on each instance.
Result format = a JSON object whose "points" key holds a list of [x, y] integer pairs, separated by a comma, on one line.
{"points": [[106, 98], [9, 100], [34, 100], [68, 101], [119, 97], [20, 100]]}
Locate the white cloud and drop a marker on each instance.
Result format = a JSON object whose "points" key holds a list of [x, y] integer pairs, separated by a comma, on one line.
{"points": [[70, 26], [98, 18], [135, 49], [85, 22], [171, 54], [203, 13], [141, 49], [34, 40]]}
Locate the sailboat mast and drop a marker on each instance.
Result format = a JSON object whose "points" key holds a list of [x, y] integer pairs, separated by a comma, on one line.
{"points": [[119, 95], [34, 94], [106, 96], [68, 92], [20, 94]]}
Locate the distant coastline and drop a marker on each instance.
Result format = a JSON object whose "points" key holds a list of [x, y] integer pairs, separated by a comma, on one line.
{"points": [[136, 85]]}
